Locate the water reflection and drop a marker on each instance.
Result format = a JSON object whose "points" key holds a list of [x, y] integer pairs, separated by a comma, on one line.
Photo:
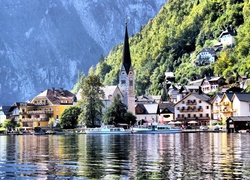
{"points": [[163, 156]]}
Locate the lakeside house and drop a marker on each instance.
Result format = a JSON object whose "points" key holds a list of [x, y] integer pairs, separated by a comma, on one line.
{"points": [[147, 113], [166, 112], [4, 113], [49, 104], [193, 107]]}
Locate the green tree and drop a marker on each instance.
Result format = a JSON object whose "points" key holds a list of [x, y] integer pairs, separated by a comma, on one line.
{"points": [[91, 102], [10, 124], [79, 83], [117, 113], [69, 117], [51, 122]]}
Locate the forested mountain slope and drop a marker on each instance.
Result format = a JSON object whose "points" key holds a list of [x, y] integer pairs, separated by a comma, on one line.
{"points": [[171, 40], [44, 43]]}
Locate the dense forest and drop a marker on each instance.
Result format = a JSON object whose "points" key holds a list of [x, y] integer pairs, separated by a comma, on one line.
{"points": [[171, 41]]}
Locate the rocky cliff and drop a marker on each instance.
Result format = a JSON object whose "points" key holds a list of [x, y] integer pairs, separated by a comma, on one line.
{"points": [[44, 44]]}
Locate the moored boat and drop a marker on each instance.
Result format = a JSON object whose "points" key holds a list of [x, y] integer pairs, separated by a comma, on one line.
{"points": [[107, 129], [155, 129]]}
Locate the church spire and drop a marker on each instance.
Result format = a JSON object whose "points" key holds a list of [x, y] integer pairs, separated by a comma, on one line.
{"points": [[126, 53]]}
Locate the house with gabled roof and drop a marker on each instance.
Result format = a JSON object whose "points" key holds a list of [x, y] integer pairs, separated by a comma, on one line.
{"points": [[166, 114], [205, 57], [48, 104], [4, 113], [212, 84], [241, 104], [215, 101], [227, 38], [193, 107], [226, 108], [109, 94], [147, 113]]}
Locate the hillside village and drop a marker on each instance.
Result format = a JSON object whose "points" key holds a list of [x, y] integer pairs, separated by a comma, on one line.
{"points": [[186, 105]]}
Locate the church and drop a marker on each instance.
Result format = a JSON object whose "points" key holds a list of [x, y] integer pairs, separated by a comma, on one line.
{"points": [[126, 87]]}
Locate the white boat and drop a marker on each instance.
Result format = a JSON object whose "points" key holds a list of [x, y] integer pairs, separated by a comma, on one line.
{"points": [[107, 129], [155, 129]]}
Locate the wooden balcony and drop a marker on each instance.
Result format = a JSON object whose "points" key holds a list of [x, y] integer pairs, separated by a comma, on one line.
{"points": [[40, 112], [34, 119], [192, 118], [215, 111], [192, 110]]}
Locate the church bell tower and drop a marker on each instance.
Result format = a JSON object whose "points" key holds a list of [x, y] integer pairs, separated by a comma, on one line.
{"points": [[126, 77]]}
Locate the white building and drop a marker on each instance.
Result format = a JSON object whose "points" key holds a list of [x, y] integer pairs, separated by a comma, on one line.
{"points": [[109, 94], [241, 104], [193, 107], [227, 38], [147, 113]]}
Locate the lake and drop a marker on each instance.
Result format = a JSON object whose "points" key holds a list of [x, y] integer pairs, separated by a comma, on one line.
{"points": [[135, 156]]}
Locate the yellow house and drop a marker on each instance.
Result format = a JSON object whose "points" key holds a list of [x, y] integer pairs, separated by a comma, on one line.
{"points": [[49, 104], [225, 105]]}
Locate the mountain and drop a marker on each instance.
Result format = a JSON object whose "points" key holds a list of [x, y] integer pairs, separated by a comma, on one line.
{"points": [[170, 42], [44, 44]]}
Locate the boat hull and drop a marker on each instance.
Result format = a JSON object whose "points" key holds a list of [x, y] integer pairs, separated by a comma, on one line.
{"points": [[107, 130], [155, 130]]}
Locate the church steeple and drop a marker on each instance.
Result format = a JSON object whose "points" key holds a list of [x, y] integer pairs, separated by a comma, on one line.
{"points": [[126, 52], [126, 77]]}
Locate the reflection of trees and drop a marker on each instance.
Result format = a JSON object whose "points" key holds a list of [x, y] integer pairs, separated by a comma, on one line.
{"points": [[95, 156]]}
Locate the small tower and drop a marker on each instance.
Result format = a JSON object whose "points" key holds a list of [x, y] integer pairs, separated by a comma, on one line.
{"points": [[126, 77]]}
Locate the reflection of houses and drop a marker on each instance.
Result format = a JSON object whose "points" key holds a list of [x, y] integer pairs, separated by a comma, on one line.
{"points": [[49, 104], [205, 57], [166, 112], [193, 107], [212, 84], [4, 113], [147, 113]]}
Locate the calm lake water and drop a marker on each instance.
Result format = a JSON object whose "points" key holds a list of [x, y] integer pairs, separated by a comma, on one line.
{"points": [[136, 156]]}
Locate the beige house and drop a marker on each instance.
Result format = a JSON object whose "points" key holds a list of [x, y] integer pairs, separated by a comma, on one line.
{"points": [[193, 107]]}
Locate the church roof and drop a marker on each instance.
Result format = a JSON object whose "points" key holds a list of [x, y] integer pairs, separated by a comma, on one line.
{"points": [[126, 52]]}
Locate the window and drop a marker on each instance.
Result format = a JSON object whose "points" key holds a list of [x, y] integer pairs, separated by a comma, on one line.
{"points": [[183, 102], [207, 115], [189, 115], [178, 108], [200, 115], [207, 107], [199, 101], [123, 82], [131, 83]]}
